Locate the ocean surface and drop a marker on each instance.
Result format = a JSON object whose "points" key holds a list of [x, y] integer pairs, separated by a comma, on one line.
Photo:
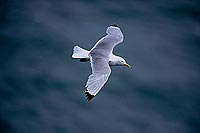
{"points": [[42, 87]]}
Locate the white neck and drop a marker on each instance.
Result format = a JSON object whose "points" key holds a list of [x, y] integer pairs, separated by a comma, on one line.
{"points": [[112, 60]]}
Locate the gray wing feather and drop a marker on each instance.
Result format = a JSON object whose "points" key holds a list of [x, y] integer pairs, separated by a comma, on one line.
{"points": [[100, 74], [104, 46]]}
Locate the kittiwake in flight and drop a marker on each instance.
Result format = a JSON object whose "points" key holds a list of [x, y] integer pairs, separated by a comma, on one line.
{"points": [[101, 58]]}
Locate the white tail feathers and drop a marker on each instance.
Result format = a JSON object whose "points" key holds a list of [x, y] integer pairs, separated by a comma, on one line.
{"points": [[79, 52]]}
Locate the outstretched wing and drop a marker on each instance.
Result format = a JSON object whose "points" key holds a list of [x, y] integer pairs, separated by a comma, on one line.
{"points": [[100, 74], [104, 46]]}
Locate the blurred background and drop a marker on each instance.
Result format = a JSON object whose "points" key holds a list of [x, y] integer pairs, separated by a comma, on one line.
{"points": [[42, 87]]}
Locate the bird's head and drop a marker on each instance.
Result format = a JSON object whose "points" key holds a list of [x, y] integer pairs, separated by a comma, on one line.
{"points": [[121, 62]]}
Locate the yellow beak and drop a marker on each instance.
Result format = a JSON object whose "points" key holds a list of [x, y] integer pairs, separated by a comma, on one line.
{"points": [[127, 65]]}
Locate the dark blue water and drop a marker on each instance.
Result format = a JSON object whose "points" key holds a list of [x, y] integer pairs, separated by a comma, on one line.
{"points": [[42, 88]]}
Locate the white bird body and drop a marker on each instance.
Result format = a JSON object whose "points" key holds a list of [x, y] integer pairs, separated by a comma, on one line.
{"points": [[81, 53], [101, 58]]}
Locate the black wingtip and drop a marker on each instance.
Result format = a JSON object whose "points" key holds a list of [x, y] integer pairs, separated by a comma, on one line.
{"points": [[84, 59], [89, 96], [114, 25]]}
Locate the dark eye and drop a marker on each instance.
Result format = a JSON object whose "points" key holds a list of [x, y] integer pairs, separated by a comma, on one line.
{"points": [[122, 61]]}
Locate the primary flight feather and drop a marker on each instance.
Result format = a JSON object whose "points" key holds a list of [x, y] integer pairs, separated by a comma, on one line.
{"points": [[101, 58]]}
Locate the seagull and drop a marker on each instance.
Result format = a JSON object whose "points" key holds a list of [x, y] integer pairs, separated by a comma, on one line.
{"points": [[101, 57]]}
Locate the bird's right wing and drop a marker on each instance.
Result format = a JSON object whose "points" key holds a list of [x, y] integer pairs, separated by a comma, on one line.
{"points": [[100, 74], [105, 45]]}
